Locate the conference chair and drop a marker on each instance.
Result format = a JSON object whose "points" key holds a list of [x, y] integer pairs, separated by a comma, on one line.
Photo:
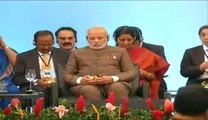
{"points": [[61, 90]]}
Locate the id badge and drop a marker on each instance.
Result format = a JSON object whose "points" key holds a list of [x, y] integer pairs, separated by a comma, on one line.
{"points": [[47, 77]]}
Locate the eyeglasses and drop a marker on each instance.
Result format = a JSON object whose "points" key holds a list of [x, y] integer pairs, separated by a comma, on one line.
{"points": [[44, 46]]}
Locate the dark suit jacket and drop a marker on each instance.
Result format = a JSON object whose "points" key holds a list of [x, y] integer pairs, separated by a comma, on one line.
{"points": [[190, 63], [29, 59], [109, 61]]}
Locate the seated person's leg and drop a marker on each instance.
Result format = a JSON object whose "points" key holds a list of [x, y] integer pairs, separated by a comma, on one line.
{"points": [[162, 89], [139, 91], [154, 88], [120, 89], [88, 91], [11, 89]]}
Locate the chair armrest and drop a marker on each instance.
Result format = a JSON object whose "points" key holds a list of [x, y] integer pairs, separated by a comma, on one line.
{"points": [[135, 82], [55, 94], [135, 85], [145, 90]]}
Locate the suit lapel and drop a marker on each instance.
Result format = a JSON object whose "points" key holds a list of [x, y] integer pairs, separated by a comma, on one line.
{"points": [[35, 62], [200, 54], [55, 57]]}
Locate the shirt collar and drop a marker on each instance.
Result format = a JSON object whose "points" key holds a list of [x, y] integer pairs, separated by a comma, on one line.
{"points": [[141, 43], [205, 47], [41, 54]]}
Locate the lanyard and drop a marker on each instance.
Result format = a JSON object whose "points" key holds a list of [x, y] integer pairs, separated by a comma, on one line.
{"points": [[206, 54], [46, 64]]}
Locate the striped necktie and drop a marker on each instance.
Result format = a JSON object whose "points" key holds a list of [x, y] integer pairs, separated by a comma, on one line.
{"points": [[45, 64]]}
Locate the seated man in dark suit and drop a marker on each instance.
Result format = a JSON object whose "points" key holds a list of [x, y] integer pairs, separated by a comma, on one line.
{"points": [[158, 49], [194, 64], [98, 69], [34, 59]]}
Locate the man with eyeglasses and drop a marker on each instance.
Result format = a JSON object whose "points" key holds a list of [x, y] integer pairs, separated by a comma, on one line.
{"points": [[45, 68]]}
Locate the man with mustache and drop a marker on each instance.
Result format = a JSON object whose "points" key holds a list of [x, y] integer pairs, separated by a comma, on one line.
{"points": [[97, 69], [66, 37]]}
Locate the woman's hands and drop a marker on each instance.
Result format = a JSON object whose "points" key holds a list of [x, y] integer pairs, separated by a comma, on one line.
{"points": [[147, 75]]}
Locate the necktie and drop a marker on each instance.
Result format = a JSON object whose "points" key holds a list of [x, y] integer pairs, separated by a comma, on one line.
{"points": [[45, 64], [47, 69], [206, 55]]}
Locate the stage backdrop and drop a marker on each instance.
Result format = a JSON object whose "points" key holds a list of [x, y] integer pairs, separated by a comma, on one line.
{"points": [[173, 24]]}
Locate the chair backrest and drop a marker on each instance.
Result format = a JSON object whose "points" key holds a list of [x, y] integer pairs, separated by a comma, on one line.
{"points": [[64, 88], [142, 91]]}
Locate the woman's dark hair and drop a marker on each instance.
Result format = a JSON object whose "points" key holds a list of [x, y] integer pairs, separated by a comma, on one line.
{"points": [[138, 33], [123, 30]]}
